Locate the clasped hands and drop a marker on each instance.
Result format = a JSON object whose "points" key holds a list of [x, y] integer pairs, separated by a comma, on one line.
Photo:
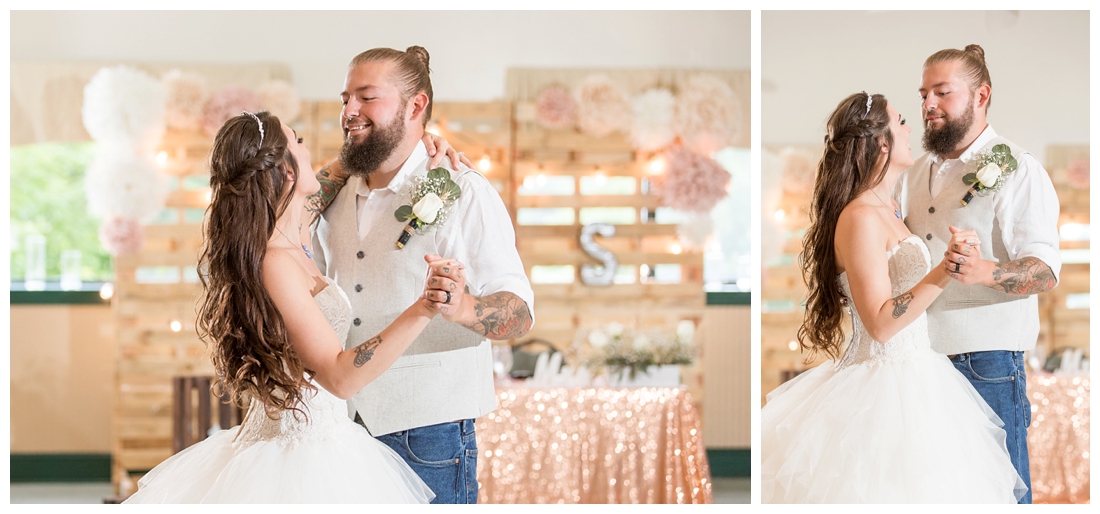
{"points": [[962, 260], [445, 286]]}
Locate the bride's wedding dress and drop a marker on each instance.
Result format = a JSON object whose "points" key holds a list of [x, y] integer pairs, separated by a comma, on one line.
{"points": [[327, 459], [888, 423]]}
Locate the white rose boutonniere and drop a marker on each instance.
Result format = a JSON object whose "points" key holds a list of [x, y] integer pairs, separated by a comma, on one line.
{"points": [[432, 198], [993, 166]]}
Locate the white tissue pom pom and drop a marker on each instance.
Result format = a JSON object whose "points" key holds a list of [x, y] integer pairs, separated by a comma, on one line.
{"points": [[708, 114], [186, 94], [694, 233], [652, 126], [124, 106], [121, 184], [121, 236], [280, 99], [602, 107]]}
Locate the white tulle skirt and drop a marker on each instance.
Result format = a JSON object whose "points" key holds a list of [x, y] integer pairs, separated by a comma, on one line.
{"points": [[913, 431], [347, 465]]}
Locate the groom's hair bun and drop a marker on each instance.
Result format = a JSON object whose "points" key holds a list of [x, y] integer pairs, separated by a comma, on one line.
{"points": [[411, 72], [973, 67]]}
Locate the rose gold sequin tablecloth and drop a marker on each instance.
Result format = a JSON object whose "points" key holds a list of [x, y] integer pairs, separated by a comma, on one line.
{"points": [[1058, 440], [595, 445]]}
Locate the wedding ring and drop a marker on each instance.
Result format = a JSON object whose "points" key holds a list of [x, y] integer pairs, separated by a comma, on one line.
{"points": [[448, 300], [956, 268]]}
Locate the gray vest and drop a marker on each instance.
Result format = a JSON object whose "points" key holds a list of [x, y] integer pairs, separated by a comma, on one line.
{"points": [[967, 318], [446, 374]]}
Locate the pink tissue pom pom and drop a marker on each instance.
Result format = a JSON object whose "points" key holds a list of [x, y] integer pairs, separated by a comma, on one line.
{"points": [[602, 107], [227, 103], [121, 236], [692, 182], [1078, 173], [186, 97], [708, 114], [555, 108]]}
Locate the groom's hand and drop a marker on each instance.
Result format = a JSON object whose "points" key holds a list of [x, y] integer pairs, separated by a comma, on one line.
{"points": [[445, 287], [963, 260]]}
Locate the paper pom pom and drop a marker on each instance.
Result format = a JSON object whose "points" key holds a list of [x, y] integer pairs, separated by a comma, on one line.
{"points": [[555, 108], [121, 184], [186, 94], [708, 114], [1078, 173], [692, 182], [227, 103], [602, 107], [695, 231], [652, 126], [798, 169], [121, 236], [281, 99], [124, 107]]}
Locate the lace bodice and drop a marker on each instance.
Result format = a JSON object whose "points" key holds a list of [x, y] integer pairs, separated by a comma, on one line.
{"points": [[324, 409], [909, 262]]}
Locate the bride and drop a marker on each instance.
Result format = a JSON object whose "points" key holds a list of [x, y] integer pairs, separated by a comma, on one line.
{"points": [[275, 325], [890, 420]]}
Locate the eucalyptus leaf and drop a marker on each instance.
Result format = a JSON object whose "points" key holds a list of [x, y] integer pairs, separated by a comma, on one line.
{"points": [[403, 213], [970, 178], [439, 173], [1010, 164], [452, 190], [1002, 149]]}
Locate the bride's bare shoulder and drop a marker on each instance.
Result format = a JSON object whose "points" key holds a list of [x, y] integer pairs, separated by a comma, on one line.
{"points": [[279, 269]]}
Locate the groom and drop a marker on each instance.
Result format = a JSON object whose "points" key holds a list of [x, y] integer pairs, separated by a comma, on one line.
{"points": [[988, 316], [423, 406]]}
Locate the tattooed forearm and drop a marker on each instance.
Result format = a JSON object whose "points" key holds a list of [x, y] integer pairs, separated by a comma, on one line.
{"points": [[901, 304], [1023, 276], [501, 315], [332, 179], [365, 351]]}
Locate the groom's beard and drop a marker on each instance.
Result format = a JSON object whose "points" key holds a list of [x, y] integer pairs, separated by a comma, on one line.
{"points": [[944, 140], [362, 159]]}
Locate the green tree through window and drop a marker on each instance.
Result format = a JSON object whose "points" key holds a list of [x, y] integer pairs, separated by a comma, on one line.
{"points": [[47, 197]]}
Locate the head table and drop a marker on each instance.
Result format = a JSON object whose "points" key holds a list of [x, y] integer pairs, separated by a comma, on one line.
{"points": [[592, 445]]}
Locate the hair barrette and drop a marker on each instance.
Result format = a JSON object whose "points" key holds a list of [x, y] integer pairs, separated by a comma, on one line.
{"points": [[869, 100], [258, 122]]}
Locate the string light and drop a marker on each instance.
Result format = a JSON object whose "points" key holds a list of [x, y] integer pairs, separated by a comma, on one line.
{"points": [[162, 157], [484, 165], [106, 291], [175, 325], [656, 166]]}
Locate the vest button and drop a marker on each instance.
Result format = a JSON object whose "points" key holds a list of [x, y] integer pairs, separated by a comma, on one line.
{"points": [[360, 254], [931, 210], [356, 322], [928, 237], [358, 287]]}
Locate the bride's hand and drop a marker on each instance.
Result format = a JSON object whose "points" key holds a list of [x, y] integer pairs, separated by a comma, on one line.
{"points": [[438, 147], [962, 260]]}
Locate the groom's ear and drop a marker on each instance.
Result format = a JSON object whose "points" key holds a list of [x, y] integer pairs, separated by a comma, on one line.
{"points": [[418, 105]]}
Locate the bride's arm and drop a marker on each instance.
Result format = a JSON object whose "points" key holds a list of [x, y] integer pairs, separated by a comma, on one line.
{"points": [[341, 372], [861, 237]]}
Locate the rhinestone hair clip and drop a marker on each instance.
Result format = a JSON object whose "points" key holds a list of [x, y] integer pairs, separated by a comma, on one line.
{"points": [[865, 113], [258, 122]]}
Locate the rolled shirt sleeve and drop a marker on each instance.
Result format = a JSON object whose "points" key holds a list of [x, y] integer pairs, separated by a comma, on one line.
{"points": [[480, 235], [1027, 208]]}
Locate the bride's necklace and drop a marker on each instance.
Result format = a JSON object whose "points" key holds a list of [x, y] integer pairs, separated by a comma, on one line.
{"points": [[897, 210], [309, 254]]}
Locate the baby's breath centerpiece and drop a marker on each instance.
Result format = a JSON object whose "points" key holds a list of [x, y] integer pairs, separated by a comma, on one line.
{"points": [[621, 350], [432, 198]]}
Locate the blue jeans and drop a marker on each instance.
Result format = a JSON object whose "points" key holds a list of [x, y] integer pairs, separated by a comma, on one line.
{"points": [[1000, 379], [443, 455]]}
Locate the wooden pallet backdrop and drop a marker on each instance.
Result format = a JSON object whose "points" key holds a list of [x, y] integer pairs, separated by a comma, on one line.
{"points": [[1063, 321]]}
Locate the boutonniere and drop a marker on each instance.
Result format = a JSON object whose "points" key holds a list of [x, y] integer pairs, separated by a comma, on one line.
{"points": [[993, 166], [432, 198]]}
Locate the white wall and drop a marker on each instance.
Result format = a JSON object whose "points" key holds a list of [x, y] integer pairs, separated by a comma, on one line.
{"points": [[470, 51], [1038, 60]]}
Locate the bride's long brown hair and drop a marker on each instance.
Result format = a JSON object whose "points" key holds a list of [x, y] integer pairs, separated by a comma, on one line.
{"points": [[847, 168], [237, 319]]}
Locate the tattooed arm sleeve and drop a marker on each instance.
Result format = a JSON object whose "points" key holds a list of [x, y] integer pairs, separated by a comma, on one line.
{"points": [[332, 178], [1025, 276], [502, 315]]}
